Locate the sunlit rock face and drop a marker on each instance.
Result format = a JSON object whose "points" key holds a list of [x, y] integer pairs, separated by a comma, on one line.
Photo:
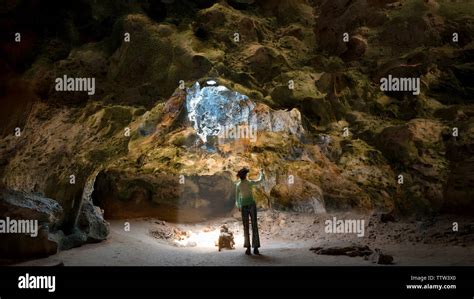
{"points": [[281, 121], [215, 107]]}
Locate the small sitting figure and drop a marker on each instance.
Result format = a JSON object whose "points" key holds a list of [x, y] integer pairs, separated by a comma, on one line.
{"points": [[226, 239]]}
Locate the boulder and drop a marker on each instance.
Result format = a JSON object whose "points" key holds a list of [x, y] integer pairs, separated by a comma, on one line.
{"points": [[90, 228], [91, 222], [20, 205], [24, 205], [381, 258], [351, 250]]}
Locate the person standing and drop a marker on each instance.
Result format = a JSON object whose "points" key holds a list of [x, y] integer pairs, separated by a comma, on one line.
{"points": [[245, 202]]}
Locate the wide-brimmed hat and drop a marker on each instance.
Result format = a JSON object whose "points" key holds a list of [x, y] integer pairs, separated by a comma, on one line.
{"points": [[243, 172]]}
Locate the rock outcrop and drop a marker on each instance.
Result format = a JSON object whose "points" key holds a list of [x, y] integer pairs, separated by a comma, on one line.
{"points": [[21, 206], [51, 231]]}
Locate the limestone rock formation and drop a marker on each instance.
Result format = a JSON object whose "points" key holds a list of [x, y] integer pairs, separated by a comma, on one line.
{"points": [[53, 232], [322, 122], [21, 206]]}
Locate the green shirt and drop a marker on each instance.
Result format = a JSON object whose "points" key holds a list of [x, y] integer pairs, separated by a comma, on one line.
{"points": [[243, 191]]}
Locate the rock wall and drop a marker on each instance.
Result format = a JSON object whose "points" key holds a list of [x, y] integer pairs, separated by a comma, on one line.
{"points": [[327, 136]]}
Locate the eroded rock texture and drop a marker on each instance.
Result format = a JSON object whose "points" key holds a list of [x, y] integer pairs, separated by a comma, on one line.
{"points": [[327, 136]]}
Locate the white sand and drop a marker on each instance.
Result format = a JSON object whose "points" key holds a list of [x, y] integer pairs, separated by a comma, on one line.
{"points": [[138, 247]]}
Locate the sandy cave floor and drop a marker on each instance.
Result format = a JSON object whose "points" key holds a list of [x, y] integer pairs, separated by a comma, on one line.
{"points": [[285, 238]]}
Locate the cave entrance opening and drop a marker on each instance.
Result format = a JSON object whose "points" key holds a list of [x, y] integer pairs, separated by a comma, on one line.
{"points": [[177, 199]]}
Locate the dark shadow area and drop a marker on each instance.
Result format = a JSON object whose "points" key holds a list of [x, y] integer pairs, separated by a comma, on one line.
{"points": [[185, 199]]}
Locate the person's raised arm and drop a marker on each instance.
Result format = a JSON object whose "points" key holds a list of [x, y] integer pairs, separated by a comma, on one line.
{"points": [[261, 177]]}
